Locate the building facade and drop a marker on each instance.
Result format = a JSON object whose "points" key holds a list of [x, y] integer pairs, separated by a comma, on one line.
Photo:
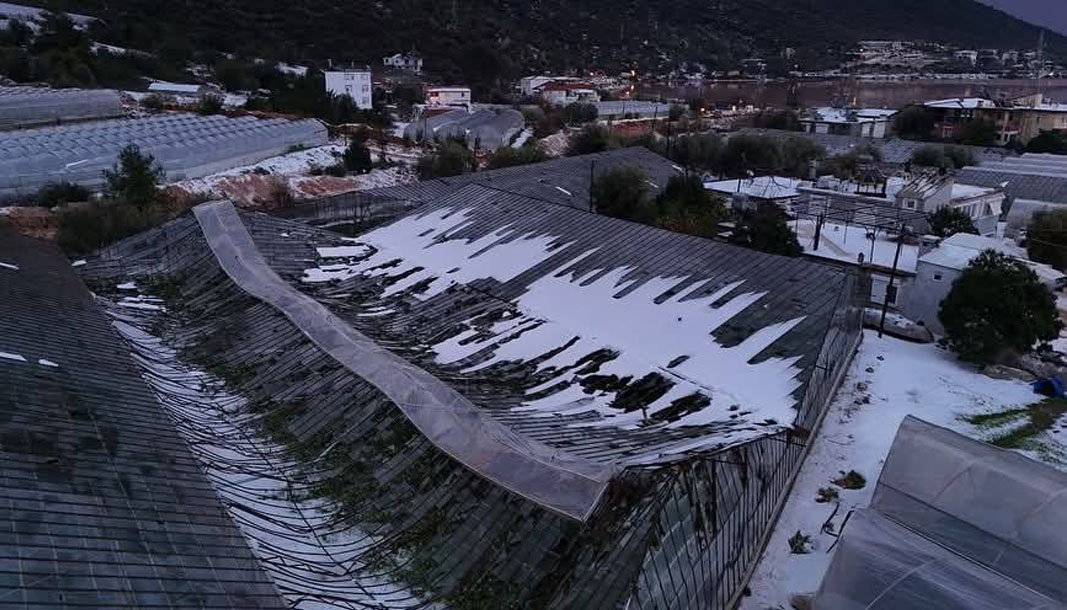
{"points": [[404, 61], [448, 96], [862, 122], [353, 82]]}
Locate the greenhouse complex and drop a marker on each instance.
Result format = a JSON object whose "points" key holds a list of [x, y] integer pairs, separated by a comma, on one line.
{"points": [[186, 145], [35, 106], [489, 401]]}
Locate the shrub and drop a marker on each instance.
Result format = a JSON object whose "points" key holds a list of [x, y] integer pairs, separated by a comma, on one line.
{"points": [[357, 157], [700, 151], [507, 156], [621, 192], [591, 139], [209, 104], [1048, 142], [797, 153], [675, 112], [948, 221], [685, 206], [745, 153], [89, 228], [133, 179], [578, 113], [765, 229], [153, 101], [61, 193], [450, 159], [997, 306], [947, 157]]}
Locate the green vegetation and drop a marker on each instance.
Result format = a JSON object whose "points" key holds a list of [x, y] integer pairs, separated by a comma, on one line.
{"points": [[914, 123], [997, 307], [765, 229], [1017, 428], [777, 119], [622, 192], [507, 156], [209, 104], [1053, 142], [979, 132], [134, 179], [684, 206], [948, 221], [697, 151], [845, 166], [591, 139], [450, 159], [947, 157], [1046, 238], [579, 113], [61, 193], [357, 157]]}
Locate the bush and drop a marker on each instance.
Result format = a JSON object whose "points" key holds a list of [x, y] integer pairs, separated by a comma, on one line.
{"points": [[61, 193], [945, 157], [133, 179], [209, 104], [777, 119], [357, 157], [153, 101], [699, 151], [450, 159], [685, 206], [979, 132], [621, 192], [765, 229], [591, 139], [997, 306], [89, 228], [914, 123], [675, 112], [1046, 238], [797, 154], [748, 153], [1052, 142], [507, 156], [578, 113], [948, 221]]}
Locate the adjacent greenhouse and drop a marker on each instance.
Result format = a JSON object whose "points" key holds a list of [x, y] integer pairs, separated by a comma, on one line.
{"points": [[491, 402], [187, 146], [34, 106]]}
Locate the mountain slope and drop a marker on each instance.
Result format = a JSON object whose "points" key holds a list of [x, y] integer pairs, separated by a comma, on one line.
{"points": [[499, 37]]}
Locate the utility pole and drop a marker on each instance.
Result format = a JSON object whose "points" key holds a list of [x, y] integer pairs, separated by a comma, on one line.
{"points": [[592, 177], [892, 276]]}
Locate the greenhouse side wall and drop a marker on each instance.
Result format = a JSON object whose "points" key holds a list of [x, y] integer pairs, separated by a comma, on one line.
{"points": [[718, 511]]}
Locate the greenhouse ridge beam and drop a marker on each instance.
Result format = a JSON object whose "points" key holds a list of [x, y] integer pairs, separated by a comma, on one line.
{"points": [[552, 478]]}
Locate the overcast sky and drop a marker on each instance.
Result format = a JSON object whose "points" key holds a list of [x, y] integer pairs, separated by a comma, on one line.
{"points": [[1049, 13]]}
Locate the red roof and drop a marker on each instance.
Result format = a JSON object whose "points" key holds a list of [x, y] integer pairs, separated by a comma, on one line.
{"points": [[563, 86]]}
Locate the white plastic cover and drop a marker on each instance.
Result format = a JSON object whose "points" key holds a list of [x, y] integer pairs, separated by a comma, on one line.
{"points": [[555, 479]]}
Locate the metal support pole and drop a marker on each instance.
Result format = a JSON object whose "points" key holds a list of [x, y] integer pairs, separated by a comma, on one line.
{"points": [[592, 178], [892, 276]]}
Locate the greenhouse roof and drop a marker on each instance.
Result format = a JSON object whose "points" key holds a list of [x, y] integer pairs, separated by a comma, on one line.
{"points": [[103, 504], [32, 106]]}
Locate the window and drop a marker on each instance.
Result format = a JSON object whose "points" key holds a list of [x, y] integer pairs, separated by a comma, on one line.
{"points": [[891, 295], [909, 203], [350, 76], [938, 277]]}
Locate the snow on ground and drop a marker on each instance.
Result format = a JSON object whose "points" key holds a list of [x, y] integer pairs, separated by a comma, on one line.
{"points": [[888, 380], [523, 137], [10, 266], [846, 243], [11, 356]]}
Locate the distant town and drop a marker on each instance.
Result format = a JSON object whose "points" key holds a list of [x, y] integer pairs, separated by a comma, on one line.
{"points": [[366, 333]]}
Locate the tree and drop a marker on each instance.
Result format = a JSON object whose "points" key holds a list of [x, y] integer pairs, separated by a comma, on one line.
{"points": [[979, 132], [745, 153], [960, 157], [845, 166], [507, 156], [675, 112], [1046, 238], [621, 192], [699, 151], [946, 157], [133, 179], [948, 221], [591, 139], [209, 104], [997, 306], [579, 113], [765, 229], [777, 119], [1053, 142], [685, 206], [451, 159], [797, 154], [914, 123], [357, 156]]}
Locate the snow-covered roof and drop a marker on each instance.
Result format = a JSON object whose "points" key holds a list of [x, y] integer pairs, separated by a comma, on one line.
{"points": [[165, 87], [848, 115], [963, 103], [847, 243], [449, 89], [760, 187], [957, 252], [968, 191]]}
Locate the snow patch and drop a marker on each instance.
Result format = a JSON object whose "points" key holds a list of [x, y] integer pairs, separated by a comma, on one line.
{"points": [[10, 266], [46, 362], [356, 251], [78, 263], [12, 356]]}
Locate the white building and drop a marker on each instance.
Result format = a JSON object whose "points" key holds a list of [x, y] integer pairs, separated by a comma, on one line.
{"points": [[528, 85], [561, 93], [938, 268], [748, 193], [863, 122], [182, 89], [968, 56], [353, 82], [448, 96], [404, 61]]}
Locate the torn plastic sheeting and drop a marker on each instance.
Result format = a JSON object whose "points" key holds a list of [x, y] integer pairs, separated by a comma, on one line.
{"points": [[555, 479]]}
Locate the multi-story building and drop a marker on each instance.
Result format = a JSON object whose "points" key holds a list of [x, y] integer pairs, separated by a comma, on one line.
{"points": [[1020, 119], [448, 96], [409, 62], [865, 122], [353, 82]]}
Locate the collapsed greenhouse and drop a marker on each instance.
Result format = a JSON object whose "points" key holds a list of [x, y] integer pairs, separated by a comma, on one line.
{"points": [[492, 402], [186, 146], [34, 106]]}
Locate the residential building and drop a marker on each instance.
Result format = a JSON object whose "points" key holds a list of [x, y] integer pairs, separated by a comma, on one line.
{"points": [[861, 122], [966, 56], [937, 268], [929, 193], [953, 114], [562, 93], [354, 82], [409, 62], [528, 85], [1019, 119], [448, 96]]}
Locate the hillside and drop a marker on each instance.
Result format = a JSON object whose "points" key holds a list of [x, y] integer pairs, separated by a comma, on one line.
{"points": [[505, 37]]}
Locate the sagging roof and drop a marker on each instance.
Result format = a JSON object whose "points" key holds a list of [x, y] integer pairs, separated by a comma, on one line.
{"points": [[563, 181], [103, 505]]}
